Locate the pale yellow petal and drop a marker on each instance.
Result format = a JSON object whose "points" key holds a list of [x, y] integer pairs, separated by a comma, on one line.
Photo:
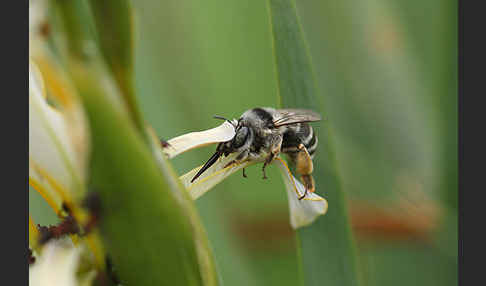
{"points": [[186, 142], [51, 147], [212, 176], [302, 212], [56, 266]]}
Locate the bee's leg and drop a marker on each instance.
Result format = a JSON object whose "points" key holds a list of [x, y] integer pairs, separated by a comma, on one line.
{"points": [[274, 151], [244, 174], [239, 159], [309, 184], [296, 188], [267, 161], [304, 167], [303, 161], [303, 196]]}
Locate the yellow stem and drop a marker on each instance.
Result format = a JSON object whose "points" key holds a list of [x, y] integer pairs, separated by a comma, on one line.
{"points": [[45, 195], [33, 234], [94, 243]]}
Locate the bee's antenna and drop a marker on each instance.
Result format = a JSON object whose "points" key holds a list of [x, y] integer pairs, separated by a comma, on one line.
{"points": [[222, 118], [208, 164]]}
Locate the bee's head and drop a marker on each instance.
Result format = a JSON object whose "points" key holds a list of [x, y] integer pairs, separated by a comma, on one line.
{"points": [[241, 139], [239, 142]]}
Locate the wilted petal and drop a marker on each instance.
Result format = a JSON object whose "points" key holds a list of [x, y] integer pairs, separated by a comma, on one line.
{"points": [[212, 176], [183, 143], [305, 211], [53, 156], [56, 266]]}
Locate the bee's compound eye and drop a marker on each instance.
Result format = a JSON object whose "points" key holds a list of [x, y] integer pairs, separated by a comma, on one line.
{"points": [[241, 136]]}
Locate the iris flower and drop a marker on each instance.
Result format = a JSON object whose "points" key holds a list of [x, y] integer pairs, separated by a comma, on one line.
{"points": [[302, 212], [58, 155], [58, 152]]}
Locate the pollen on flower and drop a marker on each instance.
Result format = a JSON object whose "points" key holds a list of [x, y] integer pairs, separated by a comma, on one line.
{"points": [[67, 226]]}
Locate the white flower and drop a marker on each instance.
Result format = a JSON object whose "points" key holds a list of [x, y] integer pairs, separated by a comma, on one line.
{"points": [[302, 212], [212, 176], [186, 142], [58, 265], [58, 144], [58, 154], [305, 211]]}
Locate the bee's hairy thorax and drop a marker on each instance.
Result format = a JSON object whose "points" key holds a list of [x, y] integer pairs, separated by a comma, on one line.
{"points": [[260, 120]]}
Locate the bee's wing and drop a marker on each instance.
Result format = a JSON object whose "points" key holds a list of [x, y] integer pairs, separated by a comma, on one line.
{"points": [[305, 211], [183, 143], [292, 116], [212, 176]]}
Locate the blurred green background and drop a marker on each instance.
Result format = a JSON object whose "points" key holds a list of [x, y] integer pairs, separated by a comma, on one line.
{"points": [[387, 71]]}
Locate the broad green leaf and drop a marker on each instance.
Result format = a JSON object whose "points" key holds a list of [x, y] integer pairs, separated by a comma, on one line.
{"points": [[106, 34], [114, 26], [149, 224], [326, 246], [183, 69]]}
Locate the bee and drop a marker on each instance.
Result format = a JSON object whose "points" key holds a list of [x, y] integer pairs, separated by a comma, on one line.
{"points": [[261, 134]]}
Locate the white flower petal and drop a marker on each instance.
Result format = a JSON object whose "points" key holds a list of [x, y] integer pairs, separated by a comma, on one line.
{"points": [[56, 266], [305, 211], [40, 184], [52, 144], [183, 143], [212, 176]]}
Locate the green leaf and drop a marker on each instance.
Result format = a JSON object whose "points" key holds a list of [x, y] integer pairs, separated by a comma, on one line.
{"points": [[149, 224], [326, 247], [105, 36], [114, 26]]}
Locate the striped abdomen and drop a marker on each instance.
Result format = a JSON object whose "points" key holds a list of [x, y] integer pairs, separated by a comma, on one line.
{"points": [[297, 134]]}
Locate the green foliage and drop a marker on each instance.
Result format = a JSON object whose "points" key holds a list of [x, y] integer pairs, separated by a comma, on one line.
{"points": [[150, 227], [386, 76], [327, 248], [114, 26], [145, 230]]}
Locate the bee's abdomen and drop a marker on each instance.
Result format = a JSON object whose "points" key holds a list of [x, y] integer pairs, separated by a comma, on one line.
{"points": [[301, 133], [311, 145]]}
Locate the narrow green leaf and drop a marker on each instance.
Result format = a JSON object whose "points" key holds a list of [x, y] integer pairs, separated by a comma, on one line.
{"points": [[149, 224], [114, 27], [102, 32], [326, 247]]}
